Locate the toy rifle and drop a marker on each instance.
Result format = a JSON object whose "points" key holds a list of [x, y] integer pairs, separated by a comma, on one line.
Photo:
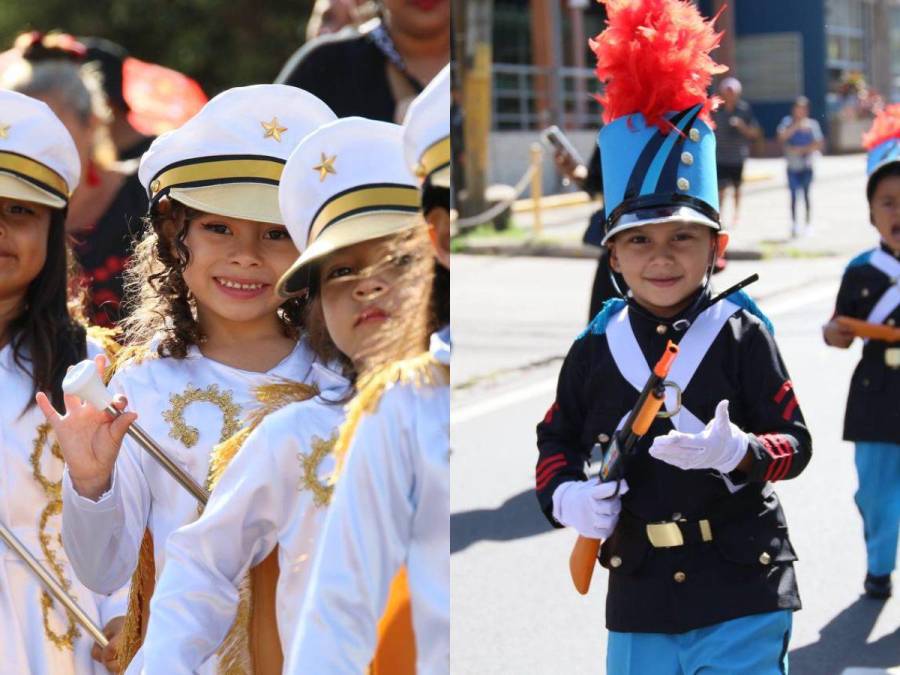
{"points": [[84, 382], [624, 442]]}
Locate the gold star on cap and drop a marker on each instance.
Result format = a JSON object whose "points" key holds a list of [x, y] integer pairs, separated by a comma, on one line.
{"points": [[325, 167], [272, 129], [4, 130]]}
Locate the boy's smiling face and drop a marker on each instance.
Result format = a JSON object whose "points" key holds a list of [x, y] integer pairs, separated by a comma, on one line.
{"points": [[664, 263], [885, 210]]}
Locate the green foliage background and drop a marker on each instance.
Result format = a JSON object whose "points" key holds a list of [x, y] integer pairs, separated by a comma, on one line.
{"points": [[220, 43]]}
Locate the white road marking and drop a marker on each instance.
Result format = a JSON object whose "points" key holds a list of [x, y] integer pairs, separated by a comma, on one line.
{"points": [[468, 412]]}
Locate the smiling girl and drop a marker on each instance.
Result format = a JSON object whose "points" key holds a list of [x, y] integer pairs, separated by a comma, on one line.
{"points": [[365, 270], [39, 168], [208, 329]]}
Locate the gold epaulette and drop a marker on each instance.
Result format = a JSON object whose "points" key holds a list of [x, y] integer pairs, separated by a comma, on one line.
{"points": [[235, 654], [108, 338], [423, 370], [131, 354]]}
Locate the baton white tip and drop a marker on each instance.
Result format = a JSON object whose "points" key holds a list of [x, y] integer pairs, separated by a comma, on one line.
{"points": [[84, 382]]}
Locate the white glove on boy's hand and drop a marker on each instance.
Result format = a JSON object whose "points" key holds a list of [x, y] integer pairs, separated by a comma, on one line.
{"points": [[720, 446], [589, 506]]}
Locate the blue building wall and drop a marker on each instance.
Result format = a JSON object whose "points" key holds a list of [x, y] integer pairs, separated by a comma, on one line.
{"points": [[807, 17]]}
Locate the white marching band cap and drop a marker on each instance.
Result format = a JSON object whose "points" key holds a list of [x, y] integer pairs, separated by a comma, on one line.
{"points": [[426, 135], [228, 158], [345, 183], [38, 158]]}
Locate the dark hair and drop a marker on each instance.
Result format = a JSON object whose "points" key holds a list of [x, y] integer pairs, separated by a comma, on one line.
{"points": [[158, 298], [892, 169], [46, 340]]}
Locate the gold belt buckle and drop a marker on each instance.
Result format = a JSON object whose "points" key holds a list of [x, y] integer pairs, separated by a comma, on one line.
{"points": [[892, 357], [664, 535], [668, 535]]}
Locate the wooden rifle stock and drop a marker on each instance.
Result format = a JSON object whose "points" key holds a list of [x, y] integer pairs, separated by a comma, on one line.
{"points": [[584, 554]]}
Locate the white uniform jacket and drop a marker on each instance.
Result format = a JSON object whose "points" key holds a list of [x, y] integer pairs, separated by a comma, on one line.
{"points": [[187, 406], [274, 492], [391, 507], [35, 639]]}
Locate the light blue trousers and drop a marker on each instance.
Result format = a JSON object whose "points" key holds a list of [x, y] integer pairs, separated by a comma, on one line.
{"points": [[750, 645], [878, 499]]}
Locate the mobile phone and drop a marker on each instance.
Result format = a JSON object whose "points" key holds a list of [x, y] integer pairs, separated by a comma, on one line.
{"points": [[553, 137]]}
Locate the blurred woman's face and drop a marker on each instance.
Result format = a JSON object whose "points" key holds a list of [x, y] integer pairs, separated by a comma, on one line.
{"points": [[419, 18], [801, 111]]}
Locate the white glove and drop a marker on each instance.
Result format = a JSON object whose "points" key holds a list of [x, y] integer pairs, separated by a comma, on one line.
{"points": [[589, 506], [720, 446]]}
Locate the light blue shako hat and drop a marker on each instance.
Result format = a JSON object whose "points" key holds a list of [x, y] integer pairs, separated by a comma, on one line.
{"points": [[883, 143], [657, 151]]}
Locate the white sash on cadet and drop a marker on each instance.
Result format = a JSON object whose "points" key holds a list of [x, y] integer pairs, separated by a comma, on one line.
{"points": [[696, 342], [890, 299]]}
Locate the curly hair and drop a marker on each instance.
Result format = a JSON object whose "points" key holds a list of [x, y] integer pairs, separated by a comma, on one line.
{"points": [[160, 302]]}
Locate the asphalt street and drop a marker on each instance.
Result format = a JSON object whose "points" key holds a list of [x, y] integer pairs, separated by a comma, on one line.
{"points": [[514, 609]]}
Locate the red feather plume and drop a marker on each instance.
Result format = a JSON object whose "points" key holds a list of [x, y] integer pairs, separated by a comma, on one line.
{"points": [[885, 127], [654, 58]]}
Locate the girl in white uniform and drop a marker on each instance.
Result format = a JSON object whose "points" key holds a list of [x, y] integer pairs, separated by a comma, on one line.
{"points": [[39, 168], [275, 491], [391, 506], [208, 330]]}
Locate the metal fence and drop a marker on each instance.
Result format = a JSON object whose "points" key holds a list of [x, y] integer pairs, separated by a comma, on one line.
{"points": [[517, 88]]}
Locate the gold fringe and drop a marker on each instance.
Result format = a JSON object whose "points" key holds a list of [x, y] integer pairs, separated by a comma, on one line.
{"points": [[138, 614], [235, 653], [419, 371], [108, 338]]}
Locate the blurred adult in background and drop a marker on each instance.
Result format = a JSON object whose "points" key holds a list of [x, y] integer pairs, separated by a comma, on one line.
{"points": [[110, 59], [377, 70], [736, 128], [105, 210], [802, 139], [590, 179]]}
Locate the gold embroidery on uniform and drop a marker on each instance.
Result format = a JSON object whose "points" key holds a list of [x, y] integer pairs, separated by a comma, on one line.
{"points": [[310, 462], [189, 435], [53, 490]]}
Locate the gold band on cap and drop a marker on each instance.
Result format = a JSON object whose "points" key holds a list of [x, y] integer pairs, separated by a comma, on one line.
{"points": [[403, 198], [207, 170], [38, 173], [435, 156]]}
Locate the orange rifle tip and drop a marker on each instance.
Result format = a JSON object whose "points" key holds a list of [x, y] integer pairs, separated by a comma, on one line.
{"points": [[662, 367]]}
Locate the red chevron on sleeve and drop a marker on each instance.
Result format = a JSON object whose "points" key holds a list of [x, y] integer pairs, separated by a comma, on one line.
{"points": [[786, 393], [779, 448], [552, 409], [547, 468]]}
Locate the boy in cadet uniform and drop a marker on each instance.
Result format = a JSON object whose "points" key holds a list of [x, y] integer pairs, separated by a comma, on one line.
{"points": [[695, 540], [870, 291]]}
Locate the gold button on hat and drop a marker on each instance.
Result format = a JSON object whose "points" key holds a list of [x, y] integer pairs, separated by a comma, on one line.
{"points": [[679, 577], [765, 558], [683, 183], [694, 135], [687, 158]]}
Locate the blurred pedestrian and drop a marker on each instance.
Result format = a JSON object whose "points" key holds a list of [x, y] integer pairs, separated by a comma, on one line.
{"points": [[802, 138], [104, 213], [736, 127], [375, 72]]}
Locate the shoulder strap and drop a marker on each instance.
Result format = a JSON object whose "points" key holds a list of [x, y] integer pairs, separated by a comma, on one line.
{"points": [[693, 347], [890, 299]]}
